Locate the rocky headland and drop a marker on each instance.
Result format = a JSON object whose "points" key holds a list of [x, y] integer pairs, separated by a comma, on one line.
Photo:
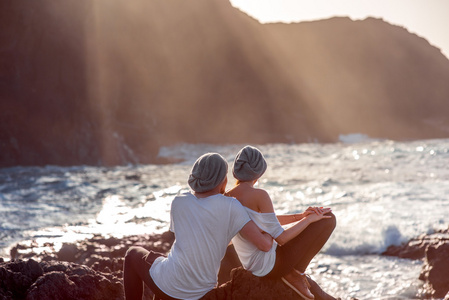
{"points": [[108, 82], [92, 269]]}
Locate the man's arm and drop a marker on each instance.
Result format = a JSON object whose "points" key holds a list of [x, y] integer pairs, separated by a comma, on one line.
{"points": [[262, 240]]}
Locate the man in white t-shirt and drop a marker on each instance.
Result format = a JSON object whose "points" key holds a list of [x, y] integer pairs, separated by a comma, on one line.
{"points": [[204, 221]]}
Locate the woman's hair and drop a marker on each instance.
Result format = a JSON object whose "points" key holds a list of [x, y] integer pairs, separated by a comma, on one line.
{"points": [[238, 181]]}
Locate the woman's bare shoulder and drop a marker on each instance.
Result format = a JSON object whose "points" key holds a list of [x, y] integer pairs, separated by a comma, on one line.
{"points": [[263, 200], [260, 193]]}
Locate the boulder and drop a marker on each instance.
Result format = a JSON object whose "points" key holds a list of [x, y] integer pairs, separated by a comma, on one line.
{"points": [[29, 279], [68, 252], [244, 285], [433, 249], [413, 249], [435, 272], [17, 277]]}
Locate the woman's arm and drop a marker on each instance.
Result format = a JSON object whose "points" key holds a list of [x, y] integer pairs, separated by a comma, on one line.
{"points": [[261, 201], [287, 219], [296, 229], [291, 218]]}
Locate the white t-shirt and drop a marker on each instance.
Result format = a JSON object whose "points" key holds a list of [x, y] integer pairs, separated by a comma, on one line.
{"points": [[203, 228], [260, 263]]}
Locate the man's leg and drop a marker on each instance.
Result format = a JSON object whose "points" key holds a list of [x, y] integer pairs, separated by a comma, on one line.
{"points": [[135, 271]]}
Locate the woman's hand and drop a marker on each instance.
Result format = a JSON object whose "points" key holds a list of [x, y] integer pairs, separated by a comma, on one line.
{"points": [[317, 210], [301, 221], [313, 214]]}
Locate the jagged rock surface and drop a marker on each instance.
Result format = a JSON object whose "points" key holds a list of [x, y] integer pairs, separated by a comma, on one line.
{"points": [[433, 249], [244, 285], [92, 269], [28, 279]]}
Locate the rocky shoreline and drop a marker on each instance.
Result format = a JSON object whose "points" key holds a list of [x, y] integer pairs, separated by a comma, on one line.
{"points": [[433, 249], [92, 269], [88, 269]]}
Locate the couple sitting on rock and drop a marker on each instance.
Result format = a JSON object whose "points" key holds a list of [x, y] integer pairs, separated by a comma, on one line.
{"points": [[204, 222]]}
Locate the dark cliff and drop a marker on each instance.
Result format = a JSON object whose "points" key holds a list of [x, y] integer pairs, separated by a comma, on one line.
{"points": [[109, 82]]}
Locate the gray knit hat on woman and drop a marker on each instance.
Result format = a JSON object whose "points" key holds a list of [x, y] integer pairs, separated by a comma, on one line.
{"points": [[208, 172], [249, 164]]}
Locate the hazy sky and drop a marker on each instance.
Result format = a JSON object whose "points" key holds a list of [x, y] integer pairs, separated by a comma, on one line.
{"points": [[426, 18]]}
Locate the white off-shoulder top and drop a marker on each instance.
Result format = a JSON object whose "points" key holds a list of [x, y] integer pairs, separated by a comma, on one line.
{"points": [[260, 263]]}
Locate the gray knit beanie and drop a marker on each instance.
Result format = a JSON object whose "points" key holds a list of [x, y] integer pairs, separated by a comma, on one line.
{"points": [[249, 164], [208, 172]]}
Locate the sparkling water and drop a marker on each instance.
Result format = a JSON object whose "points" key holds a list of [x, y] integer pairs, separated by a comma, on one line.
{"points": [[382, 193]]}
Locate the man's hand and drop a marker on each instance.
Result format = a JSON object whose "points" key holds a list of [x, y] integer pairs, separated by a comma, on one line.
{"points": [[262, 240]]}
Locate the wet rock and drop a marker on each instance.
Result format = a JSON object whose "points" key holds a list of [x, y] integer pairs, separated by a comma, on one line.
{"points": [[413, 249], [13, 283], [244, 285], [30, 269], [435, 272], [4, 295], [68, 252], [433, 249], [56, 280], [109, 242], [133, 177], [53, 285], [89, 269], [108, 265], [96, 273], [16, 277]]}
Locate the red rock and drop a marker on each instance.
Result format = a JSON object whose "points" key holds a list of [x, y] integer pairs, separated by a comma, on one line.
{"points": [[109, 86], [96, 275], [434, 250], [435, 271], [244, 285], [68, 252]]}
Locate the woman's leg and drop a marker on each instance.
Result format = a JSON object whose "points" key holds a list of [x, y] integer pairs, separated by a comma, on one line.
{"points": [[317, 237], [297, 253]]}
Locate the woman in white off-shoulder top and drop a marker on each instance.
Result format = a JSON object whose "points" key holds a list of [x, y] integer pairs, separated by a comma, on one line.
{"points": [[295, 246]]}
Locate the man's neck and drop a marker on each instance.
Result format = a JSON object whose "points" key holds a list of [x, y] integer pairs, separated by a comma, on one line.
{"points": [[207, 194]]}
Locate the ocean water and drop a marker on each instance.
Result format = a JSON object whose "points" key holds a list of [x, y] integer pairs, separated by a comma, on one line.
{"points": [[382, 192]]}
